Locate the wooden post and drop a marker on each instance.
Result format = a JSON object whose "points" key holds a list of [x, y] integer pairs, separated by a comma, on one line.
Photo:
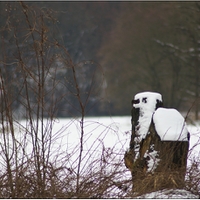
{"points": [[157, 158]]}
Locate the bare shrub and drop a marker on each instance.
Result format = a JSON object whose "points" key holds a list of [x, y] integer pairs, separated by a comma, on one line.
{"points": [[192, 178], [35, 69]]}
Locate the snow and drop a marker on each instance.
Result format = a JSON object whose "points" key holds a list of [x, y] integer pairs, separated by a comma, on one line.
{"points": [[170, 125], [169, 194], [153, 160], [147, 106], [100, 133]]}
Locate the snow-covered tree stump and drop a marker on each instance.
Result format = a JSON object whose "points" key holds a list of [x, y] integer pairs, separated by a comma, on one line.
{"points": [[157, 156]]}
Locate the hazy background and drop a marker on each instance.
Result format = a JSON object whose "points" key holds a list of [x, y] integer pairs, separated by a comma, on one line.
{"points": [[139, 46]]}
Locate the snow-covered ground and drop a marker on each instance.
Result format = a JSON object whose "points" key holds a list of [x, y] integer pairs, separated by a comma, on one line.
{"points": [[99, 133], [169, 194]]}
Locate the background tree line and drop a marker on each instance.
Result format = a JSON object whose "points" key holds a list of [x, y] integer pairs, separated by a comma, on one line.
{"points": [[119, 49]]}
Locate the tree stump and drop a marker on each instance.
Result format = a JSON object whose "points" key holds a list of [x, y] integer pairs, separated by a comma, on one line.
{"points": [[157, 157]]}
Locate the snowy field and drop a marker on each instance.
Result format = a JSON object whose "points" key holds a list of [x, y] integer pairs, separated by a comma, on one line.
{"points": [[100, 133]]}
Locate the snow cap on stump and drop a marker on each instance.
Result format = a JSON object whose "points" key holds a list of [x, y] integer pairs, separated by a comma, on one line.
{"points": [[147, 100], [170, 125]]}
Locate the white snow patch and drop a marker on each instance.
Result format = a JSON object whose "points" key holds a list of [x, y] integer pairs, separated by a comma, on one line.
{"points": [[169, 194], [170, 125], [152, 161]]}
